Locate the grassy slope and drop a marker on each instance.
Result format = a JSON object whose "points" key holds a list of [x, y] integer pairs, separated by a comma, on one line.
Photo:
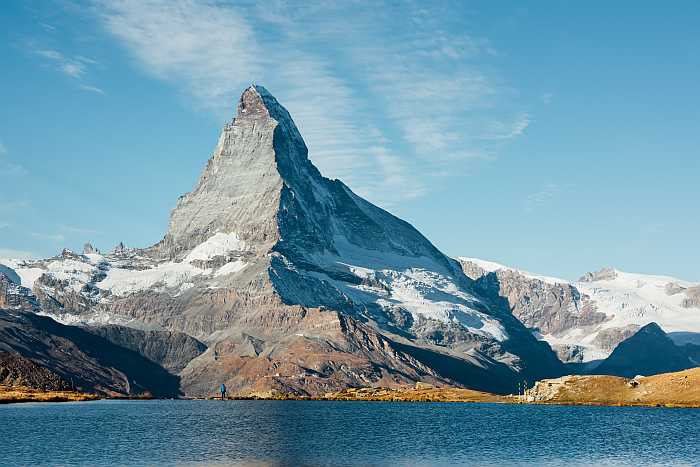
{"points": [[679, 389], [13, 394]]}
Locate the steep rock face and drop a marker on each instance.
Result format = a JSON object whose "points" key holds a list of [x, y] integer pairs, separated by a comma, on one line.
{"points": [[13, 295], [171, 350], [648, 352], [261, 241]]}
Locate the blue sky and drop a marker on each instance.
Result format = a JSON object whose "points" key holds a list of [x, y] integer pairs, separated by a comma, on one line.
{"points": [[558, 137]]}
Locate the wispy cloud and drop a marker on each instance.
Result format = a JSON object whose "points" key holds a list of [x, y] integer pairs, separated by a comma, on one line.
{"points": [[16, 254], [9, 168], [70, 229], [13, 204], [55, 237], [402, 101], [546, 98], [497, 130], [75, 67], [541, 198]]}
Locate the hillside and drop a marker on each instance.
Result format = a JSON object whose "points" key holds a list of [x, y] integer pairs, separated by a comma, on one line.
{"points": [[680, 389]]}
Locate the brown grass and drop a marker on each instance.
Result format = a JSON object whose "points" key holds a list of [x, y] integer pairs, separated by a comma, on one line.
{"points": [[417, 394], [680, 389], [14, 394]]}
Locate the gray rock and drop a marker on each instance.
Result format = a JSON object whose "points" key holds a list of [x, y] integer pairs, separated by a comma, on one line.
{"points": [[605, 274]]}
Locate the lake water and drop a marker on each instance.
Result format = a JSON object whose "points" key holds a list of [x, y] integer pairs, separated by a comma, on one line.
{"points": [[109, 433]]}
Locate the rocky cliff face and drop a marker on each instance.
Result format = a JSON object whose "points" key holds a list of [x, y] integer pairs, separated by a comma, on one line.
{"points": [[293, 281]]}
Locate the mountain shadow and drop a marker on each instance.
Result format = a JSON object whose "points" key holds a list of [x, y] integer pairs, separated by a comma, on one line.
{"points": [[648, 352], [90, 362]]}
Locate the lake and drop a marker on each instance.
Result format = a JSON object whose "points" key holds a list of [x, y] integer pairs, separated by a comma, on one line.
{"points": [[109, 433]]}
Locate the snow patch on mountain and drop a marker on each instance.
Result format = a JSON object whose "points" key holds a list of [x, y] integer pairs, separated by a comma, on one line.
{"points": [[220, 244], [642, 299], [165, 275], [231, 268], [27, 274]]}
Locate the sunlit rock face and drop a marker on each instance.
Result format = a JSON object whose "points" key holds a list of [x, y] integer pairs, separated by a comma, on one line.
{"points": [[294, 282]]}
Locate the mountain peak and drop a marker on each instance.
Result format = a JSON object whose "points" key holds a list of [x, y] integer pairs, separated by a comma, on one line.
{"points": [[251, 105]]}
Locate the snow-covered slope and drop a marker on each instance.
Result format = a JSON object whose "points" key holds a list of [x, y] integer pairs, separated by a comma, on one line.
{"points": [[615, 304]]}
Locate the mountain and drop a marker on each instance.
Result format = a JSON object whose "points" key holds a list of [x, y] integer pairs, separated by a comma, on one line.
{"points": [[648, 352], [91, 363], [38, 352], [293, 282], [585, 320]]}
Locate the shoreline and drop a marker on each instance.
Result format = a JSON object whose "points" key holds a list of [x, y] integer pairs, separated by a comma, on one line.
{"points": [[668, 390], [63, 397]]}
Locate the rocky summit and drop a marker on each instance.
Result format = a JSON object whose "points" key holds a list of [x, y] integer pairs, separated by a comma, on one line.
{"points": [[291, 282]]}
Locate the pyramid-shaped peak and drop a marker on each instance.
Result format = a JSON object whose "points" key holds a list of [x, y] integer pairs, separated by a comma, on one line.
{"points": [[256, 103], [251, 105]]}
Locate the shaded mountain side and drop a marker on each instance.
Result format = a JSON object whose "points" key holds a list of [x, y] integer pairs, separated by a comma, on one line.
{"points": [[90, 362], [171, 350], [648, 352], [16, 370], [692, 351]]}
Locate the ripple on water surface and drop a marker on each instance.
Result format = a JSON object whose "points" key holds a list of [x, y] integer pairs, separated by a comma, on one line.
{"points": [[344, 433]]}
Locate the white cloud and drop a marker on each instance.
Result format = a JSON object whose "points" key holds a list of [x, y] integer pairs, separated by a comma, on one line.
{"points": [[11, 205], [74, 67], [504, 131], [346, 75], [78, 230], [541, 197], [8, 168], [205, 45], [90, 88], [57, 237]]}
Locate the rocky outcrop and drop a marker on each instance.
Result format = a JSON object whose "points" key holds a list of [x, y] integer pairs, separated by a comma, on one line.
{"points": [[605, 274], [608, 339], [13, 295], [693, 298], [88, 249]]}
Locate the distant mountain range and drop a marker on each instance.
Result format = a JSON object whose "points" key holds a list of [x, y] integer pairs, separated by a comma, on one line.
{"points": [[584, 321], [272, 278]]}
